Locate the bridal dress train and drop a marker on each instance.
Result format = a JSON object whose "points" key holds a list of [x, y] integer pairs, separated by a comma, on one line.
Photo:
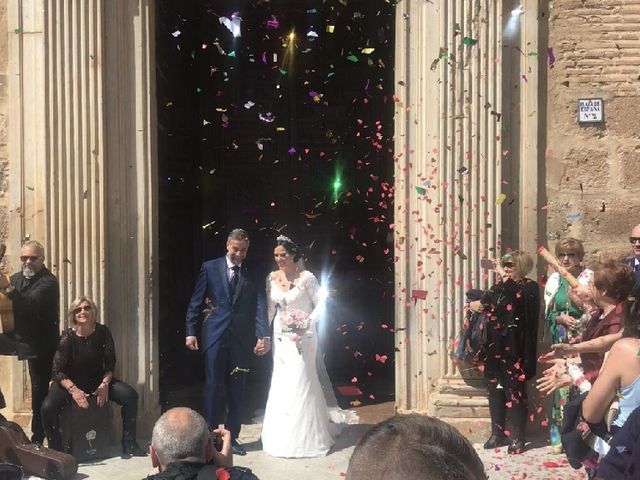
{"points": [[298, 422]]}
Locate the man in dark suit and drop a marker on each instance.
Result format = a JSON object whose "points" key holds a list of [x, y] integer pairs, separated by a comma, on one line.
{"points": [[634, 261], [35, 294], [238, 318]]}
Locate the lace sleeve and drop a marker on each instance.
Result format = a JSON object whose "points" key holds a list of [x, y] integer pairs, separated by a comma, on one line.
{"points": [[271, 306], [313, 290], [61, 358]]}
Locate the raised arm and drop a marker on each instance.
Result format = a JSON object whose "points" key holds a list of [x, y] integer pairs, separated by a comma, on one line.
{"points": [[595, 345]]}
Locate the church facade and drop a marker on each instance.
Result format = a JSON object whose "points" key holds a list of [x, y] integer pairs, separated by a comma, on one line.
{"points": [[494, 148]]}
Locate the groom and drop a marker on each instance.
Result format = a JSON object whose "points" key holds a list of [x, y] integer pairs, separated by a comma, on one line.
{"points": [[238, 317]]}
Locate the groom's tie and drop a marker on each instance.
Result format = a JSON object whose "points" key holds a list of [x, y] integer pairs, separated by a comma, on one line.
{"points": [[233, 282]]}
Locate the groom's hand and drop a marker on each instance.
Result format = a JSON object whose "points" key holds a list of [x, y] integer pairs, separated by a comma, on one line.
{"points": [[191, 343], [263, 345]]}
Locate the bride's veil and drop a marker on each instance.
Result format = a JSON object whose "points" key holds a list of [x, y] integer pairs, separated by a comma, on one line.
{"points": [[336, 414]]}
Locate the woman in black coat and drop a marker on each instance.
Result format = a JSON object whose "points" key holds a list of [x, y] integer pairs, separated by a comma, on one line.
{"points": [[513, 305]]}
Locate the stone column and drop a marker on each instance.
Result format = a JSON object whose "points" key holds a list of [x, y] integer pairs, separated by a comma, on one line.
{"points": [[450, 196], [82, 123]]}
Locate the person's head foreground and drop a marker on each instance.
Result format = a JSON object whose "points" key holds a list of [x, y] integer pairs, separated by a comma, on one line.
{"points": [[414, 447], [179, 434]]}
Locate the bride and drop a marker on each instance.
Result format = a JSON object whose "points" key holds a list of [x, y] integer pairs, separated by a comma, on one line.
{"points": [[297, 419]]}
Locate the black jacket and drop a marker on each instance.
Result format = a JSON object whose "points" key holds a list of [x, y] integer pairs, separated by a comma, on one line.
{"points": [[515, 312], [36, 310]]}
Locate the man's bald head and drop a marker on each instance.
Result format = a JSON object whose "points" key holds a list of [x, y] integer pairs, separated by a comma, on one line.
{"points": [[179, 434]]}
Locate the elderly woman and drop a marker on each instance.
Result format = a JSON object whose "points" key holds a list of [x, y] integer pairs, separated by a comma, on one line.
{"points": [[562, 318], [612, 282], [83, 366], [514, 305]]}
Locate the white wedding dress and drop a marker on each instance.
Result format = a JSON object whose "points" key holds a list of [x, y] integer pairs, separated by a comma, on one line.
{"points": [[297, 421]]}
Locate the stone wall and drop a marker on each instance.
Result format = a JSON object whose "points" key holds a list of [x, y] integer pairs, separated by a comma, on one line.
{"points": [[4, 158], [592, 172]]}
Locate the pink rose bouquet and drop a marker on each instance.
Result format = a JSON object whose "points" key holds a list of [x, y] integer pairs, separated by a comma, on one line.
{"points": [[295, 322]]}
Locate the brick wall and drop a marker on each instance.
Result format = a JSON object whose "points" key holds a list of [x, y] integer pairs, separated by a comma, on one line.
{"points": [[593, 172]]}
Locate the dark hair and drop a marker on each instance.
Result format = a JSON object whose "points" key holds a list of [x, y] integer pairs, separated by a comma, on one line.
{"points": [[238, 234], [614, 278], [414, 447], [289, 246], [631, 322]]}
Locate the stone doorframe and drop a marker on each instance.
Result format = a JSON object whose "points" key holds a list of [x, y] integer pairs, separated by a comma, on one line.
{"points": [[82, 150], [451, 65]]}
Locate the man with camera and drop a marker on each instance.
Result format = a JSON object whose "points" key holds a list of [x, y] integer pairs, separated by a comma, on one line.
{"points": [[183, 447]]}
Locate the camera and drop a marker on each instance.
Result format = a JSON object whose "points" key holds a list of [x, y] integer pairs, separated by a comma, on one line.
{"points": [[216, 438]]}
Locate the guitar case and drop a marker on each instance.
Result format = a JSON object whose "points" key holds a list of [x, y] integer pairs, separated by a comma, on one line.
{"points": [[35, 460]]}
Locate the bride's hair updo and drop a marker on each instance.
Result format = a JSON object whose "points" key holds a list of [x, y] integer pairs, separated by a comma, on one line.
{"points": [[289, 246]]}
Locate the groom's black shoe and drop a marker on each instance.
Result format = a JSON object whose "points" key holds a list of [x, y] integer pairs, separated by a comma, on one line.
{"points": [[237, 448]]}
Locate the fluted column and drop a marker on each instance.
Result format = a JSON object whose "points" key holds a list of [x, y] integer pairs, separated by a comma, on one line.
{"points": [[449, 99], [82, 179]]}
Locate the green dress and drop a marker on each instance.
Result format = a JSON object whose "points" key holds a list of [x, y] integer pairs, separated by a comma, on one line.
{"points": [[560, 305]]}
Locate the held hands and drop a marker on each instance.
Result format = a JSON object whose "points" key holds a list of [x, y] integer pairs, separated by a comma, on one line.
{"points": [[263, 346]]}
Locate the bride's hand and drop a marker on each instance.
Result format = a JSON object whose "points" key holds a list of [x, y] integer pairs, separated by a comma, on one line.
{"points": [[263, 345]]}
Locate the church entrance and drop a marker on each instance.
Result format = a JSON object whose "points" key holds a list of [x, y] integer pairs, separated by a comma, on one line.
{"points": [[277, 117]]}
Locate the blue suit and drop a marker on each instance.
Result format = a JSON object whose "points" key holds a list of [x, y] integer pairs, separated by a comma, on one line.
{"points": [[228, 335], [635, 291]]}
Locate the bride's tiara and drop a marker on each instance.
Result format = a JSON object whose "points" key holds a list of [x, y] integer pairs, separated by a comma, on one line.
{"points": [[282, 238]]}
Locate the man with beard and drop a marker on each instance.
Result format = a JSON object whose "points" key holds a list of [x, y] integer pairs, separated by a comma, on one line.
{"points": [[35, 295]]}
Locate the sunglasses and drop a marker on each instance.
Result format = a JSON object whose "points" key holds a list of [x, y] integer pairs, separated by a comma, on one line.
{"points": [[570, 255], [86, 308], [634, 240], [33, 258], [508, 264]]}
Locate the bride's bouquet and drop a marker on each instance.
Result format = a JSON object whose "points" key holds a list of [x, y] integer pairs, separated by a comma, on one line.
{"points": [[295, 322]]}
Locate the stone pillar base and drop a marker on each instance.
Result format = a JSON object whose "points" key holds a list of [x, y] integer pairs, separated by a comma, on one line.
{"points": [[463, 403]]}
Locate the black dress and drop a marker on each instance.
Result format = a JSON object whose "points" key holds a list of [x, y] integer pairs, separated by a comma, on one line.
{"points": [[511, 352], [85, 361]]}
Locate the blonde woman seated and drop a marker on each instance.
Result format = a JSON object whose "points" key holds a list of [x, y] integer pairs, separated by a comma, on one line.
{"points": [[82, 367]]}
